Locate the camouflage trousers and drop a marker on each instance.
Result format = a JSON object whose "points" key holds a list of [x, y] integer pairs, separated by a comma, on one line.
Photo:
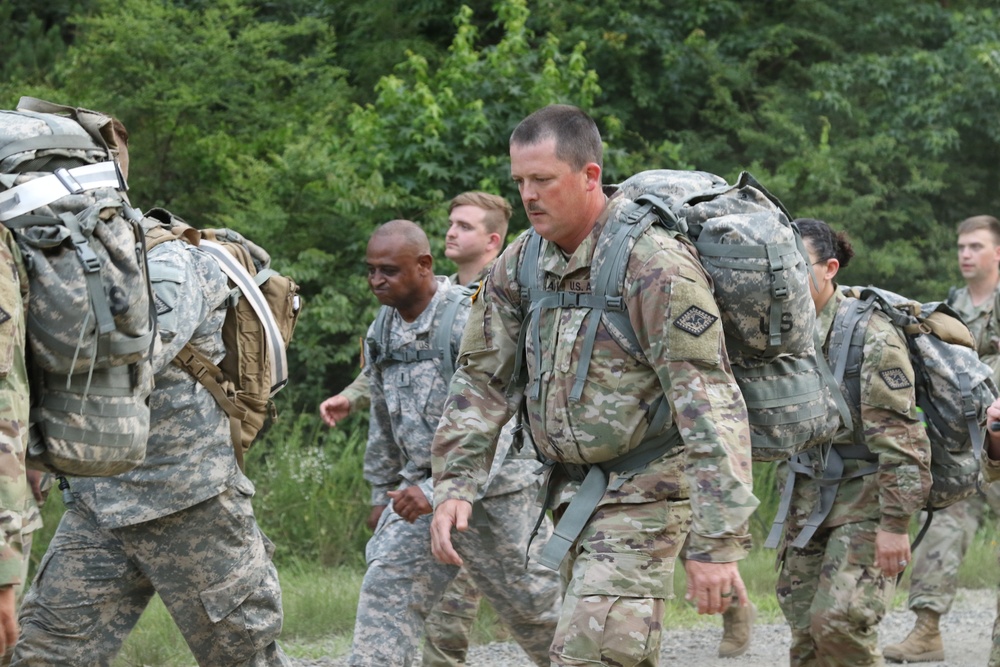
{"points": [[617, 576], [404, 581], [210, 564], [450, 623], [936, 559], [834, 597]]}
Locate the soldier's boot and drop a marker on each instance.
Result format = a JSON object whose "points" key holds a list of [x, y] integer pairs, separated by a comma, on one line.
{"points": [[923, 644], [737, 627]]}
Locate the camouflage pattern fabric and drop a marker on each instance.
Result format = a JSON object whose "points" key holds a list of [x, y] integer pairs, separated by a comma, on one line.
{"points": [[613, 610], [830, 590], [664, 285], [834, 597], [136, 528], [934, 580], [406, 403], [450, 622], [218, 583], [14, 410]]}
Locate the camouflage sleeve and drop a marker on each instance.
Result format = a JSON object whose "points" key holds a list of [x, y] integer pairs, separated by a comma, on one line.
{"points": [[187, 285], [359, 392], [383, 459], [990, 469], [892, 426], [478, 406], [13, 409], [678, 324]]}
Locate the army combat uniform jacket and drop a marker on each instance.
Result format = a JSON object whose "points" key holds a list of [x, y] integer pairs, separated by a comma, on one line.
{"points": [[688, 365], [14, 406]]}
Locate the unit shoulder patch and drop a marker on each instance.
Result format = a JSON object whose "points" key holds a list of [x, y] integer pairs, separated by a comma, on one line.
{"points": [[895, 379], [695, 321]]}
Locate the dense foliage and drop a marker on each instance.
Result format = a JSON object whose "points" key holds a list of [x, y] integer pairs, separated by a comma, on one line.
{"points": [[304, 123]]}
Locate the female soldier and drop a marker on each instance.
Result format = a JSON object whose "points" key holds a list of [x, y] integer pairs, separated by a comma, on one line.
{"points": [[846, 542]]}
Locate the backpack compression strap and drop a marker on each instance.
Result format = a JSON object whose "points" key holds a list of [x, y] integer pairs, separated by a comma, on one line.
{"points": [[250, 290], [44, 190]]}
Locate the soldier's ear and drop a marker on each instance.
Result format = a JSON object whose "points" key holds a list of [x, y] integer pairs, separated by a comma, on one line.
{"points": [[426, 262]]}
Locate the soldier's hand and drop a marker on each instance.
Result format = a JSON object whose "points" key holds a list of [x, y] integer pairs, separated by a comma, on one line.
{"points": [[410, 503], [714, 586], [374, 516], [8, 619], [334, 409], [449, 514], [993, 430], [892, 552]]}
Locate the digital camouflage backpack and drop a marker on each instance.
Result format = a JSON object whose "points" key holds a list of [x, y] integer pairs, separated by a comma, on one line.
{"points": [[90, 316], [758, 267], [953, 389], [263, 309]]}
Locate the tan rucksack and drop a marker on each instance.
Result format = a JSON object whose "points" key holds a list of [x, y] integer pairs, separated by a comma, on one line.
{"points": [[264, 307]]}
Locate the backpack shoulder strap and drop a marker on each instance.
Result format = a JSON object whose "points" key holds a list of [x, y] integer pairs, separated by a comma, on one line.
{"points": [[454, 299]]}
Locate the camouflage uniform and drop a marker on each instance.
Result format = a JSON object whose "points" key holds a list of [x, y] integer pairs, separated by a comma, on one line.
{"points": [[14, 412], [449, 624], [181, 525], [937, 558], [619, 569], [406, 403], [830, 590]]}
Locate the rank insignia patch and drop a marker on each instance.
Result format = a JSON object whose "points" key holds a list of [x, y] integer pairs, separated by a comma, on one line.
{"points": [[895, 378], [695, 321], [4, 316], [162, 307]]}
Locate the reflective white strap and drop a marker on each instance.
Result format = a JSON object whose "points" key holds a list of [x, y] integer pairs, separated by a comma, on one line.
{"points": [[42, 191], [239, 275]]}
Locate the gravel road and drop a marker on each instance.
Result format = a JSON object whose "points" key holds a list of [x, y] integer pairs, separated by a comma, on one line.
{"points": [[966, 631]]}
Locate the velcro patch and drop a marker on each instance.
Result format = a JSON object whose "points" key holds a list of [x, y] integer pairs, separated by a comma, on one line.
{"points": [[162, 307], [4, 316], [895, 378], [695, 321]]}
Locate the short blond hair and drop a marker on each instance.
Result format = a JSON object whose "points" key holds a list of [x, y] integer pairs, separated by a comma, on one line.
{"points": [[977, 222], [498, 210]]}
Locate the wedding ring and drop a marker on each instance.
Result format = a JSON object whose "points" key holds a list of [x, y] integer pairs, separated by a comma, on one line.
{"points": [[902, 563]]}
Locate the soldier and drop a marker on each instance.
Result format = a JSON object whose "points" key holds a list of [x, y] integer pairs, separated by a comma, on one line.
{"points": [[14, 406], [840, 561], [938, 556], [991, 473], [407, 394], [180, 525], [619, 568], [477, 227]]}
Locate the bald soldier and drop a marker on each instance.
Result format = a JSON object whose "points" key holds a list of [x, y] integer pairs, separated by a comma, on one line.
{"points": [[408, 390]]}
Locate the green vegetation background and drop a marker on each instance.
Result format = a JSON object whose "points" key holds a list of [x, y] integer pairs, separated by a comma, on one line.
{"points": [[305, 123]]}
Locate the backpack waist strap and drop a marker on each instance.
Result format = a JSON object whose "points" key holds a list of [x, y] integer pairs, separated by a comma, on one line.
{"points": [[593, 488]]}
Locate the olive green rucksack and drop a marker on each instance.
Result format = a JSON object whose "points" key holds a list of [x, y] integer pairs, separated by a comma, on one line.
{"points": [[90, 322]]}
